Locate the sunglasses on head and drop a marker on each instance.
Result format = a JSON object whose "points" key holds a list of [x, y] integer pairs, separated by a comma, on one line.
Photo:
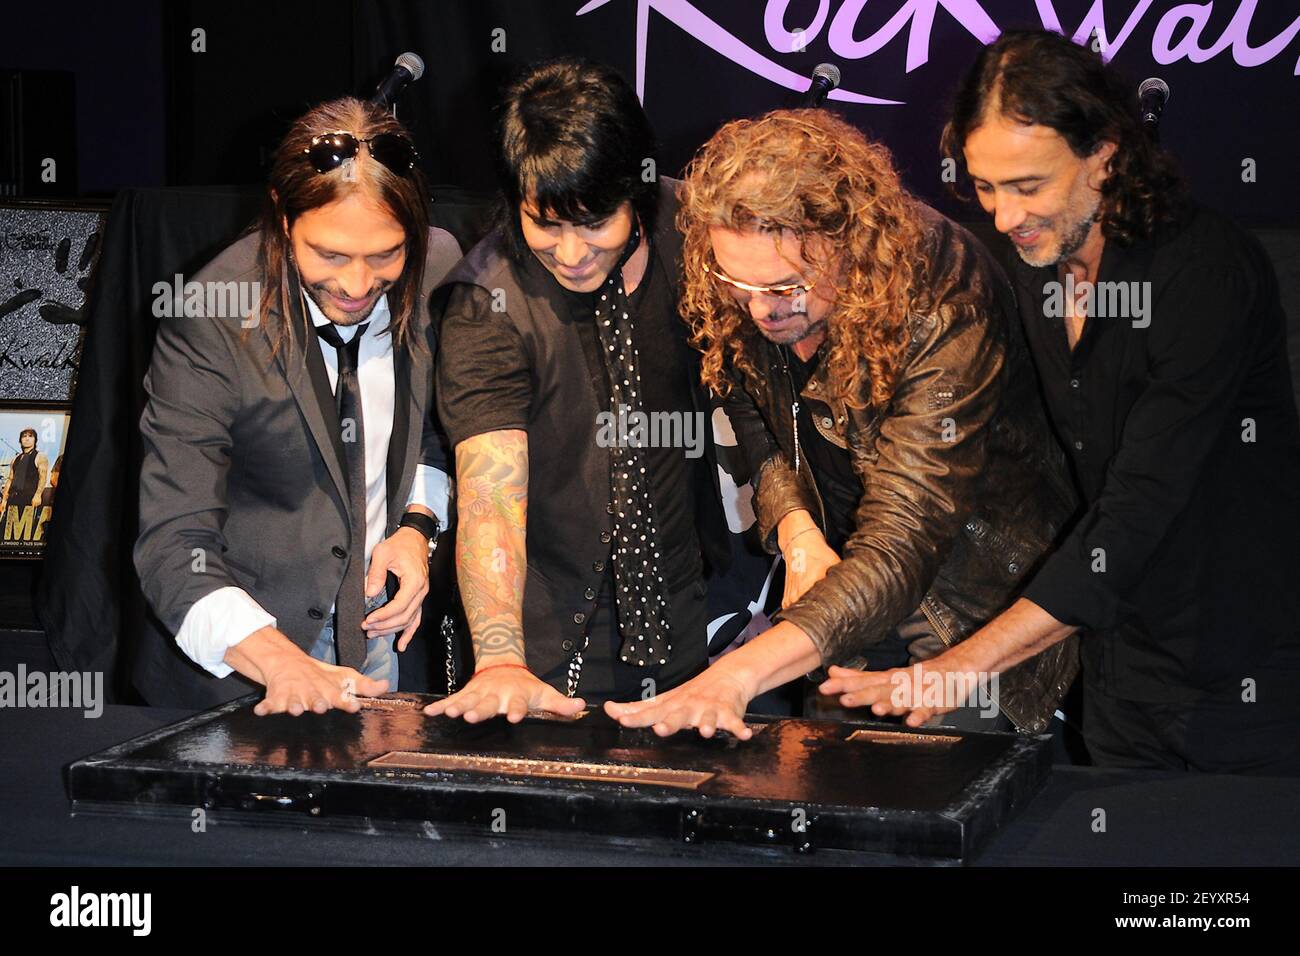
{"points": [[329, 151], [778, 291]]}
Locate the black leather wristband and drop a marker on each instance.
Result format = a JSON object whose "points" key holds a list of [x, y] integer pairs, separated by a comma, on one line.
{"points": [[420, 522]]}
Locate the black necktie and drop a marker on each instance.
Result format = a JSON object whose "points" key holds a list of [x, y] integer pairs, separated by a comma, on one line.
{"points": [[640, 594], [350, 606]]}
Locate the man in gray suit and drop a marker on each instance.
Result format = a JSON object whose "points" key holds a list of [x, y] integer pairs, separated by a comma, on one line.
{"points": [[292, 476]]}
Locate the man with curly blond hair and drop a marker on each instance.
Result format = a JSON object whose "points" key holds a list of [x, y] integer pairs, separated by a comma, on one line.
{"points": [[873, 369]]}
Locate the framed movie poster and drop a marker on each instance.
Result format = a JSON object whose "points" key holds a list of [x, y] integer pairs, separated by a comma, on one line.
{"points": [[32, 439]]}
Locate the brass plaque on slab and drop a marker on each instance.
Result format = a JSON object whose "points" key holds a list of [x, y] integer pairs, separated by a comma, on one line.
{"points": [[524, 767]]}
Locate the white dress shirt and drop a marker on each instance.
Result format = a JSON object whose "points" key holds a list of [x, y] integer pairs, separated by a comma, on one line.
{"points": [[222, 619]]}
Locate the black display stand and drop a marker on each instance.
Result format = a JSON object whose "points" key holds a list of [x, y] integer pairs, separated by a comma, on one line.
{"points": [[796, 786]]}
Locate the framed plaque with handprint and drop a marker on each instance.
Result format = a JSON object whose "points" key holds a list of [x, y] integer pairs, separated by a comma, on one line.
{"points": [[48, 253], [32, 438]]}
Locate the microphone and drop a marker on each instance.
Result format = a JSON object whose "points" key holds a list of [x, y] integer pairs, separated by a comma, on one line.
{"points": [[408, 68], [1153, 94], [825, 77]]}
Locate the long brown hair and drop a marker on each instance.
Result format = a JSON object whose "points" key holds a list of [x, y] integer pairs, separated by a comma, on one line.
{"points": [[811, 173], [1040, 78], [294, 187]]}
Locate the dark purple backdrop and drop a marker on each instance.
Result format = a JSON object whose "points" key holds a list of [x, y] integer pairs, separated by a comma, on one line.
{"points": [[152, 111], [1236, 93]]}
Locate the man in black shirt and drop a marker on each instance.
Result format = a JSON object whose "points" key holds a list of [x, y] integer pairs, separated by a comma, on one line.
{"points": [[586, 499], [27, 473], [1158, 334]]}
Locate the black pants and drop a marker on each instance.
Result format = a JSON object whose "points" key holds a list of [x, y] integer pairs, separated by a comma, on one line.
{"points": [[1216, 733]]}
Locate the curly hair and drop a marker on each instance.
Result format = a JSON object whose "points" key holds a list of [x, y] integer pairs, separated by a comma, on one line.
{"points": [[811, 173], [1043, 79]]}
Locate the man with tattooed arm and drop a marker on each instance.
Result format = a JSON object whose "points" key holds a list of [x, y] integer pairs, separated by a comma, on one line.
{"points": [[580, 554]]}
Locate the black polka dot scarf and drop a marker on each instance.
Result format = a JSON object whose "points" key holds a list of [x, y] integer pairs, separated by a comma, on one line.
{"points": [[643, 613]]}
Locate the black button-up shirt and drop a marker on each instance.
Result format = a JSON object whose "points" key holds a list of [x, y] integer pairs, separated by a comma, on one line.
{"points": [[1179, 419]]}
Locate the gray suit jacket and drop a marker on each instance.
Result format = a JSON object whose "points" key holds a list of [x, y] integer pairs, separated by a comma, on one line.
{"points": [[243, 481]]}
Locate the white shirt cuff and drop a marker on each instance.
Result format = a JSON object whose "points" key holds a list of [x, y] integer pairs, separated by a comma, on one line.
{"points": [[432, 489], [217, 622]]}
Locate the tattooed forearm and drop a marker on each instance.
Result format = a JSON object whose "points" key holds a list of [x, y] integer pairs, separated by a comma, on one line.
{"points": [[491, 561]]}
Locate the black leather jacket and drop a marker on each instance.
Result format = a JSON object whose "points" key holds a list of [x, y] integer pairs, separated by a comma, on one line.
{"points": [[953, 527]]}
